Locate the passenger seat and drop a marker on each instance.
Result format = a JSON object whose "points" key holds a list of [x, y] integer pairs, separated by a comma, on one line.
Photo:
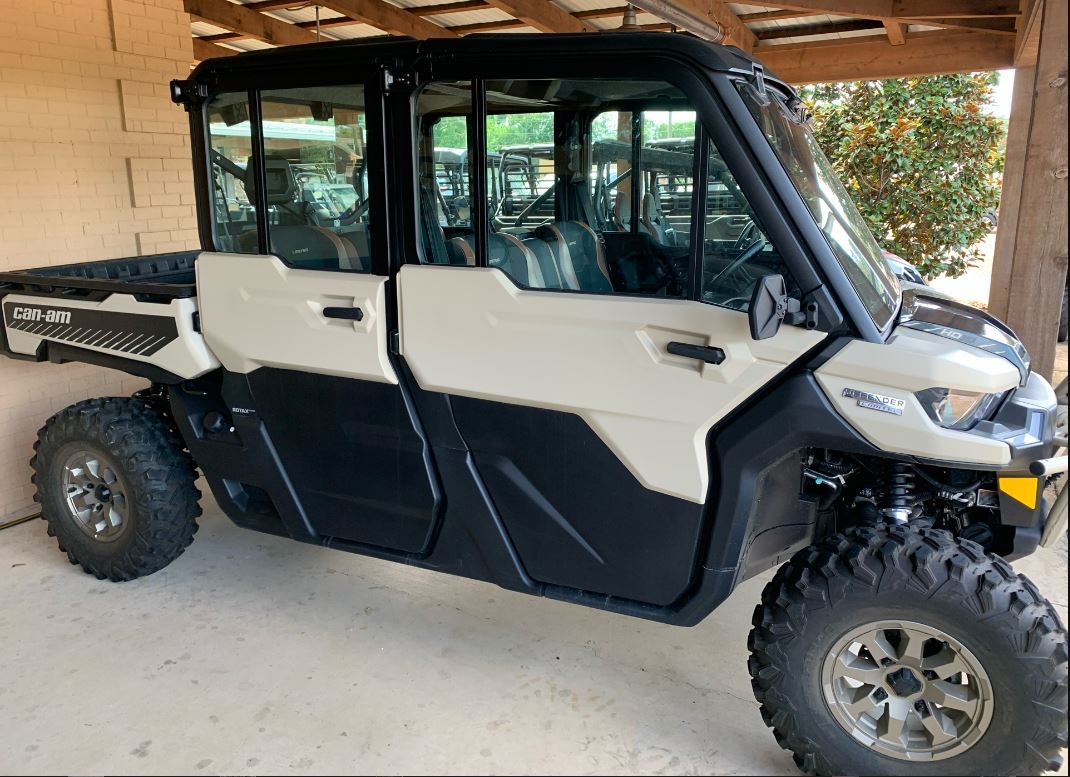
{"points": [[579, 255], [516, 259]]}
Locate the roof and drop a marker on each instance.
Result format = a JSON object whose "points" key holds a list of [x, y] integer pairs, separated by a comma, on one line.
{"points": [[805, 40]]}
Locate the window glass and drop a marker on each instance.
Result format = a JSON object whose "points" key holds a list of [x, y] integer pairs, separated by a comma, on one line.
{"points": [[737, 251], [315, 177], [590, 186], [783, 123], [443, 114], [230, 147]]}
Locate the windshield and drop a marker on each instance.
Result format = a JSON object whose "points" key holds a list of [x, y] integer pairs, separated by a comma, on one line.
{"points": [[828, 201]]}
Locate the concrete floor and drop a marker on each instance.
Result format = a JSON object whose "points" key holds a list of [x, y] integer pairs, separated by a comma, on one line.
{"points": [[255, 654]]}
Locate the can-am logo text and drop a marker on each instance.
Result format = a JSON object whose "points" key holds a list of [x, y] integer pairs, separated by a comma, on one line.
{"points": [[42, 315]]}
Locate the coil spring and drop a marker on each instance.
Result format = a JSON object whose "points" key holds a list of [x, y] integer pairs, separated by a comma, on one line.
{"points": [[899, 492]]}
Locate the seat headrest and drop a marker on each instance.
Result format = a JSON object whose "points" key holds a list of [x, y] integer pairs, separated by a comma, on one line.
{"points": [[279, 181]]}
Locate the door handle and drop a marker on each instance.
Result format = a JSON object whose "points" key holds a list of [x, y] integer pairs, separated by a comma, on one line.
{"points": [[347, 314], [707, 353]]}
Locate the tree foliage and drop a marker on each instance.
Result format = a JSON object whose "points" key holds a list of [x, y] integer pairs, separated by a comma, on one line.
{"points": [[921, 158]]}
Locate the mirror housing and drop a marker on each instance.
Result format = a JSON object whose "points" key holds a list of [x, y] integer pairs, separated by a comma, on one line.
{"points": [[769, 306]]}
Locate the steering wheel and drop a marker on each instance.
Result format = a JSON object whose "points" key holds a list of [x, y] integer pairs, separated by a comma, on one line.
{"points": [[742, 259], [354, 213], [744, 236]]}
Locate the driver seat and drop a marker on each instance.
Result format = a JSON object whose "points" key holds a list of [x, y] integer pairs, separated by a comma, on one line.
{"points": [[299, 244]]}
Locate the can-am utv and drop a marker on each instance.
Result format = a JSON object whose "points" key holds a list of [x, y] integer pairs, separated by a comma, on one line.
{"points": [[570, 394]]}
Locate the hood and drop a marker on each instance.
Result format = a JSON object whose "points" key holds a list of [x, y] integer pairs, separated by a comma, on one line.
{"points": [[929, 311]]}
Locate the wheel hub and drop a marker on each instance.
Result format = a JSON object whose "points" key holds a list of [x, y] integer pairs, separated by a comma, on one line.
{"points": [[907, 690], [903, 682], [95, 495]]}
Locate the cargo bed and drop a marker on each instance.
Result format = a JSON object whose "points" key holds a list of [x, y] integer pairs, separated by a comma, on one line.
{"points": [[159, 277], [137, 314]]}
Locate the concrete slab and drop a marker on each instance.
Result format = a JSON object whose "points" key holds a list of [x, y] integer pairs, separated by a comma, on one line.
{"points": [[253, 654]]}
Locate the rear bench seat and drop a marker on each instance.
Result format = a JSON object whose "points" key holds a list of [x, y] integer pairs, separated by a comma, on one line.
{"points": [[562, 255]]}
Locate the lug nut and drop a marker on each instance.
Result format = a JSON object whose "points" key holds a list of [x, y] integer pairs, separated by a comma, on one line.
{"points": [[929, 674], [887, 662], [880, 694], [920, 707]]}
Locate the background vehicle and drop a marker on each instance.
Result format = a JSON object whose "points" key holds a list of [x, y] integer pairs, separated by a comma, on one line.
{"points": [[580, 395]]}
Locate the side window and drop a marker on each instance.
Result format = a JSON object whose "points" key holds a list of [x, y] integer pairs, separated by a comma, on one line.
{"points": [[316, 178], [591, 187], [736, 251], [524, 145], [444, 186], [230, 149], [667, 162]]}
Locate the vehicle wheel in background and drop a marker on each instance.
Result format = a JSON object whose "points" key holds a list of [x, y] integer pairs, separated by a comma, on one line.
{"points": [[116, 487], [893, 650]]}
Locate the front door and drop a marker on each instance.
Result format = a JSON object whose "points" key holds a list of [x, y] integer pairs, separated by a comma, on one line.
{"points": [[294, 305], [585, 367]]}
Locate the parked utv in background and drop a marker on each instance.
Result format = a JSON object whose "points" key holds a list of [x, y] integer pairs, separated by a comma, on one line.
{"points": [[638, 359]]}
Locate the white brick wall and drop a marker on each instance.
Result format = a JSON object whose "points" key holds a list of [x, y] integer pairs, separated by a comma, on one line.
{"points": [[94, 164]]}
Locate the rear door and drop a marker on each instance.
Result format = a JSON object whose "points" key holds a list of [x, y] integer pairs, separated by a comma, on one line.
{"points": [[294, 304], [587, 404]]}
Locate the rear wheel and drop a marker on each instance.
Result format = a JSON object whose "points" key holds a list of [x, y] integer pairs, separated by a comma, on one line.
{"points": [[892, 650], [116, 487]]}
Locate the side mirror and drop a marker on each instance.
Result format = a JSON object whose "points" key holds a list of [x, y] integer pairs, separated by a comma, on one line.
{"points": [[770, 305]]}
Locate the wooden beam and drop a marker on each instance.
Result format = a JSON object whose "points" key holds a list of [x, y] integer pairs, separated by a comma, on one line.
{"points": [[447, 8], [203, 50], [776, 16], [502, 24], [853, 59], [952, 9], [1000, 25], [542, 15], [897, 32], [736, 31], [250, 23], [901, 9], [833, 28], [388, 18], [1029, 265], [1028, 43], [602, 13]]}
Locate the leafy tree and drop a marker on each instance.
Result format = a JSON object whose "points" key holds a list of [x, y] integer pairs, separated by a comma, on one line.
{"points": [[921, 158]]}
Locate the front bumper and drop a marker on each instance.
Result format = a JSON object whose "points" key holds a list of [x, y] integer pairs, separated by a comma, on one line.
{"points": [[1028, 422]]}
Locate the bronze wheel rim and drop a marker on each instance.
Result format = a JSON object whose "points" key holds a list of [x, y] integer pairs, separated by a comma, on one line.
{"points": [[907, 690]]}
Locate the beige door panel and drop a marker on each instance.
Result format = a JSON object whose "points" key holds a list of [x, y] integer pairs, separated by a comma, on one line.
{"points": [[257, 312], [472, 332]]}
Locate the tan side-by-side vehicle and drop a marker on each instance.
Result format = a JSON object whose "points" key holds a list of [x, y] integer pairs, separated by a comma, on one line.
{"points": [[589, 317]]}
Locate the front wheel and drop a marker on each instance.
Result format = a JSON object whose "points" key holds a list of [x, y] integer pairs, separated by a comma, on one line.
{"points": [[893, 650]]}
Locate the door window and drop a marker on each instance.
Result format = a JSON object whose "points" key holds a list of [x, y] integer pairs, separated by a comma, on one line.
{"points": [[230, 149], [591, 187], [736, 250], [315, 178]]}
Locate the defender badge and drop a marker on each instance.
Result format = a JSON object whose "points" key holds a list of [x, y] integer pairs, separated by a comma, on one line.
{"points": [[881, 402]]}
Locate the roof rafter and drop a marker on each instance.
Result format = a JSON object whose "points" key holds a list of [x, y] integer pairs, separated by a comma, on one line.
{"points": [[923, 53], [203, 50], [542, 15], [901, 9], [896, 31], [387, 17], [251, 24]]}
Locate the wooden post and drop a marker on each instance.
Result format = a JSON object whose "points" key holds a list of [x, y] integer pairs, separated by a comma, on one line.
{"points": [[1029, 266]]}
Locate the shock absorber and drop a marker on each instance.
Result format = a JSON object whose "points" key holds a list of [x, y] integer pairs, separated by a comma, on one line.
{"points": [[899, 492]]}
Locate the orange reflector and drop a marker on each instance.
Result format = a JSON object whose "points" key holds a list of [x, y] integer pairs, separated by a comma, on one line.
{"points": [[1023, 490]]}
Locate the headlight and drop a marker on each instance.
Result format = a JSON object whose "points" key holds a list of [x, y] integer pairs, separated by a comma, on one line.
{"points": [[955, 409]]}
